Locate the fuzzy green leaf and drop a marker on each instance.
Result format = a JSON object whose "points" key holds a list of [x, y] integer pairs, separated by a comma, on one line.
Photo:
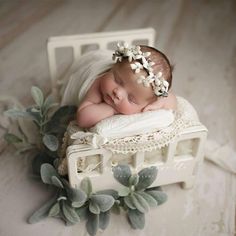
{"points": [[111, 192], [128, 201], [104, 202], [47, 171], [14, 113], [139, 202], [92, 224], [124, 192], [70, 213], [122, 174], [37, 95], [42, 212], [136, 219], [51, 142], [55, 210], [133, 179], [94, 208], [149, 199], [57, 182], [86, 185], [159, 196], [104, 219], [76, 196], [116, 208], [146, 177], [12, 138], [35, 114], [82, 212], [48, 103], [60, 119]]}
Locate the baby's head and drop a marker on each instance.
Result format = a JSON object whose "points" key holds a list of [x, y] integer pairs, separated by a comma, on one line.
{"points": [[129, 88]]}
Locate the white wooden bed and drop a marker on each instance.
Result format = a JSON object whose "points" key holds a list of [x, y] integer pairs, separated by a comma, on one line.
{"points": [[173, 164]]}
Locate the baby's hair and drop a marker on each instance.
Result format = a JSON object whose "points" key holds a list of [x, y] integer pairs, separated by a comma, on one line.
{"points": [[162, 63]]}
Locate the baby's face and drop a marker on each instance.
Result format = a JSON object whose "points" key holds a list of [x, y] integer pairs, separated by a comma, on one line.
{"points": [[120, 90]]}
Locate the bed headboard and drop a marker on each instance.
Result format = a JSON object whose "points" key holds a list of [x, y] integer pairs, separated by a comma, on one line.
{"points": [[85, 42]]}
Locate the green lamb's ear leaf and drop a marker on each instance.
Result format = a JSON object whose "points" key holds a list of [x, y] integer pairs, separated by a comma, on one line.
{"points": [[92, 224], [70, 213], [14, 113], [133, 179], [116, 208], [149, 199], [146, 177], [55, 210], [35, 114], [76, 196], [12, 138], [60, 119], [94, 208], [136, 219], [124, 192], [139, 202], [57, 182], [128, 201], [48, 103], [104, 219], [159, 196], [42, 212], [111, 192], [37, 95], [104, 202], [82, 212], [47, 171], [86, 185], [122, 174], [51, 142]]}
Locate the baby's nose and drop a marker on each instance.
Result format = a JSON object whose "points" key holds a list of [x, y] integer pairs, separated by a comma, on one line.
{"points": [[118, 93]]}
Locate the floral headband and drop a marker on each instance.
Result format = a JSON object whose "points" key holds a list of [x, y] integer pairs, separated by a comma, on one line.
{"points": [[159, 84]]}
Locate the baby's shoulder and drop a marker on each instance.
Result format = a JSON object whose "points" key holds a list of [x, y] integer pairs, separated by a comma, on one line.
{"points": [[170, 102]]}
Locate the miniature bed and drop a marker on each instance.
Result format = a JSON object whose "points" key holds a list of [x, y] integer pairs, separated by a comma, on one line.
{"points": [[176, 150]]}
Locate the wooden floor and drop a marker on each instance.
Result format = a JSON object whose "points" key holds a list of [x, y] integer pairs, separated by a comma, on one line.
{"points": [[199, 37]]}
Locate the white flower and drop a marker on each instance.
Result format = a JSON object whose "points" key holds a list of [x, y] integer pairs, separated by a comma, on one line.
{"points": [[165, 83], [157, 81], [136, 67], [146, 54], [159, 74], [141, 79]]}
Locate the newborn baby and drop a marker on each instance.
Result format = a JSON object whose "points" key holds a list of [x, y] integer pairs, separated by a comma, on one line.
{"points": [[139, 81]]}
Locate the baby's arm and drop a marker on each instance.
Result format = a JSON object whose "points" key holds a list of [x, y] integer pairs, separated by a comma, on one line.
{"points": [[93, 109], [169, 103]]}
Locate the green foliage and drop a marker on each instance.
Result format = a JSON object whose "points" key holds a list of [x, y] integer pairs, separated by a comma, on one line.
{"points": [[135, 197], [12, 138], [122, 174], [51, 127], [136, 219], [51, 142], [76, 204]]}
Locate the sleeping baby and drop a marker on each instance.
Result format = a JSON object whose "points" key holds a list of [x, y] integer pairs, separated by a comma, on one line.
{"points": [[138, 81]]}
